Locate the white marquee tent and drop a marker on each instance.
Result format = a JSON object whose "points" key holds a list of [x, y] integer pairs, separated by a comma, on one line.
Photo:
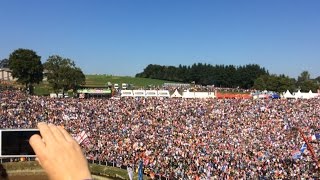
{"points": [[176, 94], [300, 95], [287, 95]]}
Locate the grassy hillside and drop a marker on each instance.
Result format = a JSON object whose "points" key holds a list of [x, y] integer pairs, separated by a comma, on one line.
{"points": [[42, 89], [102, 80]]}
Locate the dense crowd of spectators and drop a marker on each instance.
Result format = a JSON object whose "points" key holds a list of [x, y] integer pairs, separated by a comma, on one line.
{"points": [[182, 138]]}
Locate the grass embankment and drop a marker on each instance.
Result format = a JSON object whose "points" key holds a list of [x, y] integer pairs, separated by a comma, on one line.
{"points": [[32, 168], [102, 80], [44, 89]]}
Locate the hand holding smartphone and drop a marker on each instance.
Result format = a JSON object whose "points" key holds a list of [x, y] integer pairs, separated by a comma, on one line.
{"points": [[59, 154]]}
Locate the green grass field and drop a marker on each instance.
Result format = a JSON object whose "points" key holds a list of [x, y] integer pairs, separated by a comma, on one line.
{"points": [[102, 80], [44, 89]]}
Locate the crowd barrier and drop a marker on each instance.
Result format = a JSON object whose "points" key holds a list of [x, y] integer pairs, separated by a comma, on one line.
{"points": [[114, 164], [5, 160], [102, 163]]}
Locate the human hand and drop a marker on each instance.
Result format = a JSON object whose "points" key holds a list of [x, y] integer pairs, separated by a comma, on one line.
{"points": [[59, 154]]}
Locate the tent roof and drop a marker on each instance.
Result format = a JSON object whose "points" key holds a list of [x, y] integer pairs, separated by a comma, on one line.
{"points": [[287, 94], [176, 94]]}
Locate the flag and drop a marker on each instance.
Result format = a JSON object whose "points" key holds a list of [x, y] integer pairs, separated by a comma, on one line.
{"points": [[81, 137], [130, 172], [296, 154], [86, 142], [315, 137], [303, 147], [140, 170]]}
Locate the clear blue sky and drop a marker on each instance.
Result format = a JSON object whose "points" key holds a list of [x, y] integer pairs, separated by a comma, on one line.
{"points": [[121, 37]]}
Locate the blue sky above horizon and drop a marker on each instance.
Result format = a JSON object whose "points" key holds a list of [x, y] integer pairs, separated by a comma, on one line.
{"points": [[121, 37]]}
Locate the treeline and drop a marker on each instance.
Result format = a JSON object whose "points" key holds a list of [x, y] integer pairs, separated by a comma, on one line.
{"points": [[61, 73], [207, 74], [230, 76]]}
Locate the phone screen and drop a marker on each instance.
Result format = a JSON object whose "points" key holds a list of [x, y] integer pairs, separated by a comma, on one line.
{"points": [[15, 142]]}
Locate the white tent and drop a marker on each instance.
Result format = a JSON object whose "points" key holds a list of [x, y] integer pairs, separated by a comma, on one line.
{"points": [[176, 94], [287, 95], [313, 95], [298, 94], [305, 95]]}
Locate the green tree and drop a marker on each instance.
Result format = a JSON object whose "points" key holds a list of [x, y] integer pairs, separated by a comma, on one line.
{"points": [[317, 79], [309, 85], [305, 83], [304, 76], [4, 63], [26, 66], [206, 74], [274, 83], [75, 80], [62, 74], [286, 83], [261, 82], [248, 74]]}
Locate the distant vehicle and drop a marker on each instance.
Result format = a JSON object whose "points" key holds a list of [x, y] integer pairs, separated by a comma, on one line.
{"points": [[124, 86], [116, 86], [275, 96]]}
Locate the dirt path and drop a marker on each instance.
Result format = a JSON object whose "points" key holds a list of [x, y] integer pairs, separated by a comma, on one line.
{"points": [[28, 177]]}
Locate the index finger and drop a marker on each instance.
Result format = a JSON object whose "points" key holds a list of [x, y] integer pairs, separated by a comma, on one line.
{"points": [[66, 134], [46, 133]]}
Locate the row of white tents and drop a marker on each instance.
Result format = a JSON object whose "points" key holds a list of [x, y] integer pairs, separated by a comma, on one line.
{"points": [[188, 94], [300, 95], [165, 93]]}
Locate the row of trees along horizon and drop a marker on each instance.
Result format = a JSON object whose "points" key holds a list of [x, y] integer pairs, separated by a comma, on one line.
{"points": [[250, 76], [62, 74]]}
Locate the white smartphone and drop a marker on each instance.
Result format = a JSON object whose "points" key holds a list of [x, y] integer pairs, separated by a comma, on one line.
{"points": [[15, 142]]}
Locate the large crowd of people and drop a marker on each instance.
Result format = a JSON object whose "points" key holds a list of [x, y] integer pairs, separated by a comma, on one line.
{"points": [[182, 138]]}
